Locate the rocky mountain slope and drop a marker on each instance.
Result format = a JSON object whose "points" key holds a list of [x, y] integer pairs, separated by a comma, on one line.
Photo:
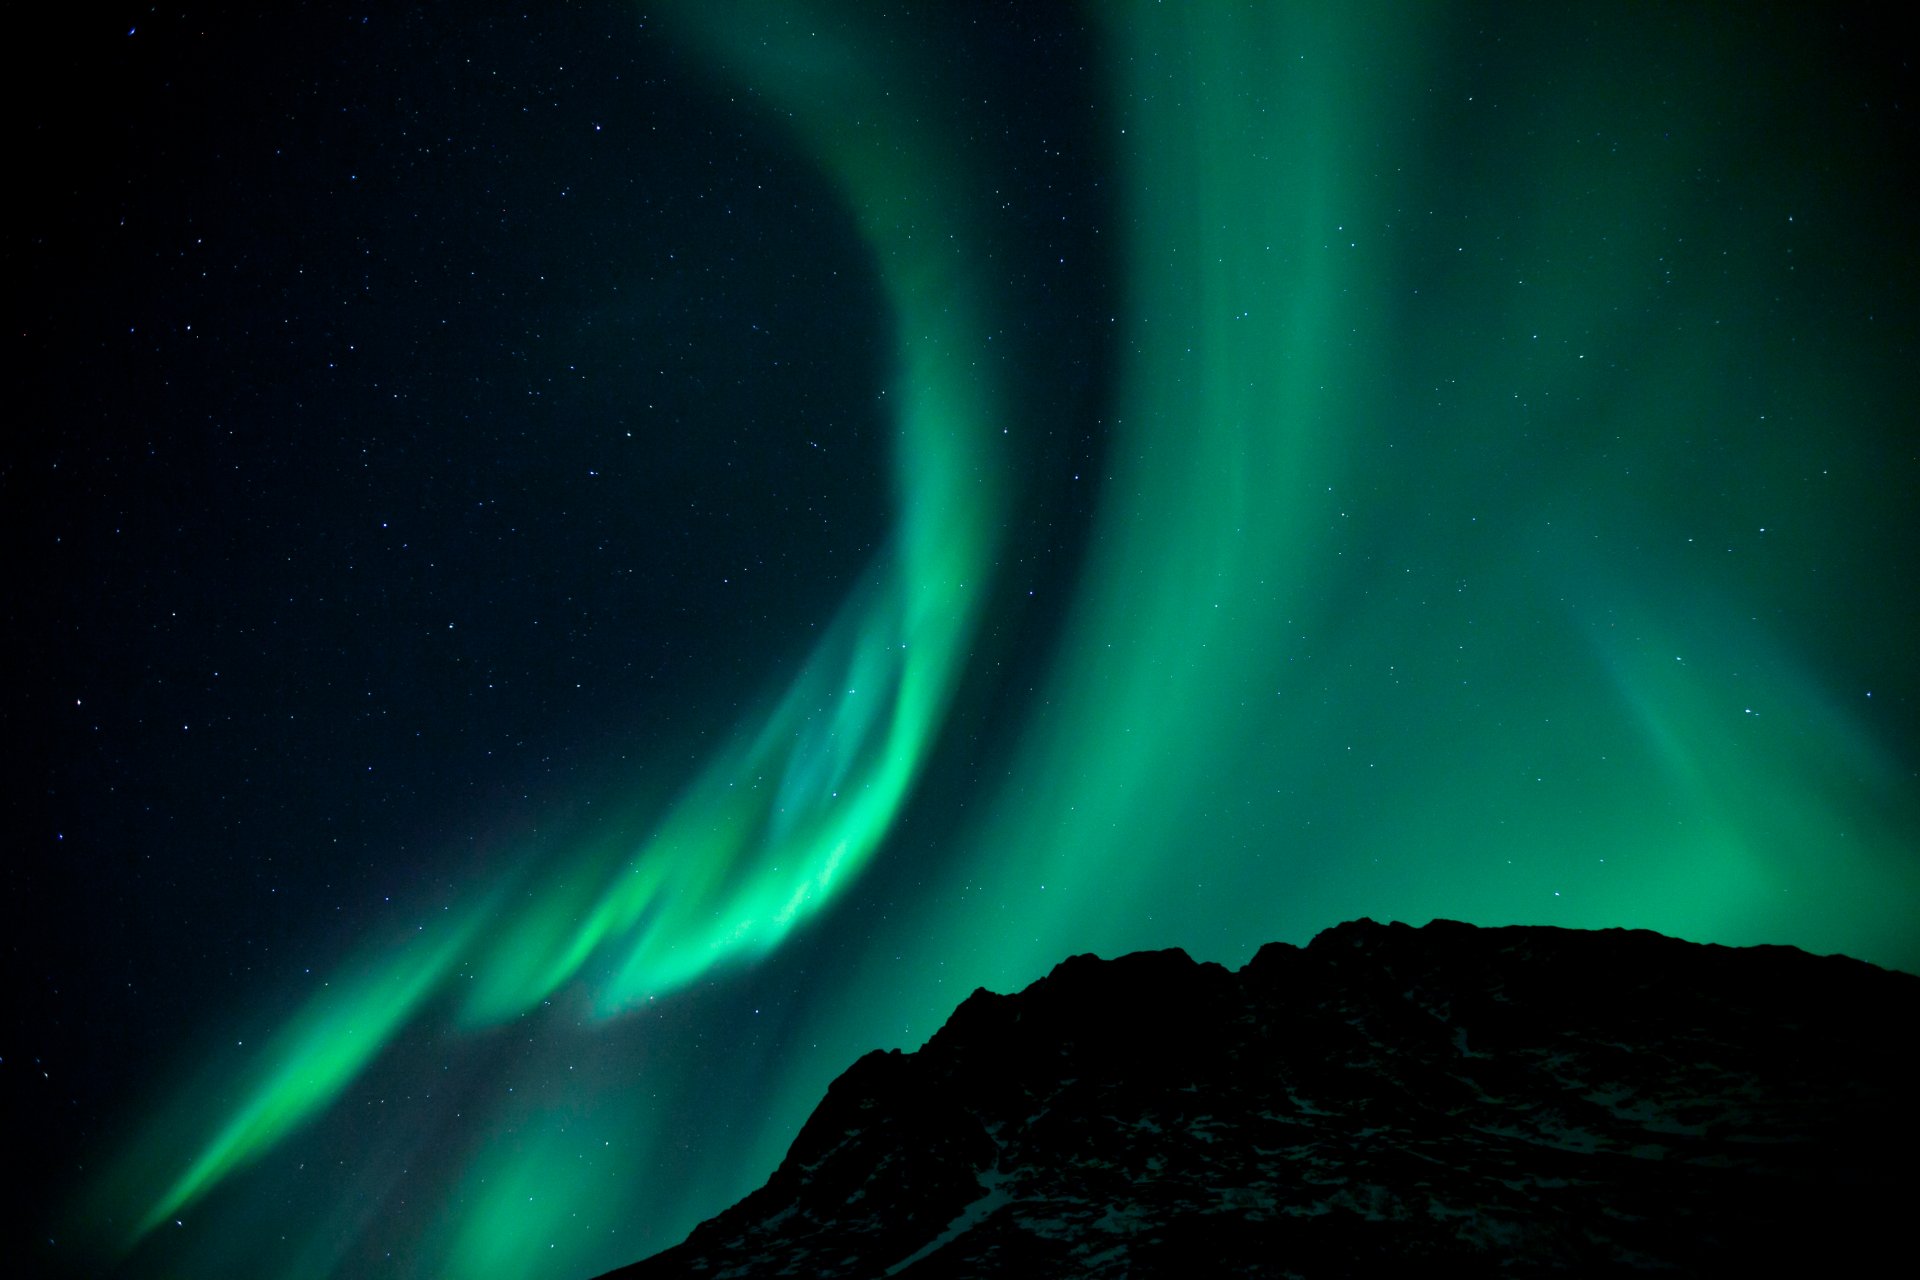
{"points": [[1516, 1100]]}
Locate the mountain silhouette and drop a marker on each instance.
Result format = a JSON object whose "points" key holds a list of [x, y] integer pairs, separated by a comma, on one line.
{"points": [[1515, 1100]]}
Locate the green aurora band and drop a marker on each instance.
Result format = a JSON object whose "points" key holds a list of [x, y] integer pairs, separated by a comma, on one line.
{"points": [[1474, 537], [804, 794], [1478, 506]]}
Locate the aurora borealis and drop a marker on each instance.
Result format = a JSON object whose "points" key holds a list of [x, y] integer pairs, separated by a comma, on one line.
{"points": [[580, 570]]}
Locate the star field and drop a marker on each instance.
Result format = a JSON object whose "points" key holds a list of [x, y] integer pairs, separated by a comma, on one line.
{"points": [[575, 571]]}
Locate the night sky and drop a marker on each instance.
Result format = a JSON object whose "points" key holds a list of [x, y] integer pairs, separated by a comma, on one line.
{"points": [[571, 571]]}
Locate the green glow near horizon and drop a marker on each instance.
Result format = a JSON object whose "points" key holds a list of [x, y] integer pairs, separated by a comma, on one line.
{"points": [[548, 1179], [1409, 594], [1477, 503]]}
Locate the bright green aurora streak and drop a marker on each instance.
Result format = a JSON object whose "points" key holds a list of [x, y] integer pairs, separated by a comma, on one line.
{"points": [[788, 812], [1480, 497]]}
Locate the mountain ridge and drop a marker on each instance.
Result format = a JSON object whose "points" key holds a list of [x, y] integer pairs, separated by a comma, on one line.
{"points": [[1522, 1098]]}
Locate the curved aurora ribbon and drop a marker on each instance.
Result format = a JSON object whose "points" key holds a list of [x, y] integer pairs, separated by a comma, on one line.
{"points": [[801, 797], [1353, 634]]}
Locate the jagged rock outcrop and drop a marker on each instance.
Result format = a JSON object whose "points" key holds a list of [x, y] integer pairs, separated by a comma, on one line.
{"points": [[1516, 1100]]}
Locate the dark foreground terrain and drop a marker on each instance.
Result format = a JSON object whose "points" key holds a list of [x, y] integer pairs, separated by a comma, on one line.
{"points": [[1517, 1100]]}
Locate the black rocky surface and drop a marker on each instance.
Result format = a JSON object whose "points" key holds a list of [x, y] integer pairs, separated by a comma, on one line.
{"points": [[1516, 1101]]}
